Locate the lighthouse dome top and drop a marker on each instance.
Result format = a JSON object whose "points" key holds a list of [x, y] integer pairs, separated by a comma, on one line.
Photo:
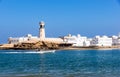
{"points": [[41, 23]]}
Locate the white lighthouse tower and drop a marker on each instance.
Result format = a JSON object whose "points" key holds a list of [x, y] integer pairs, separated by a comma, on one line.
{"points": [[42, 30]]}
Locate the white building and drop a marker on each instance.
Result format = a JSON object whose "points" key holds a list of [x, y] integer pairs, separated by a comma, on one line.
{"points": [[101, 41], [27, 38], [87, 42], [116, 40], [76, 40]]}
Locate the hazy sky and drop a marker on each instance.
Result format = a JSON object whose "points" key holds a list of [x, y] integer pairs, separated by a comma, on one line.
{"points": [[86, 17]]}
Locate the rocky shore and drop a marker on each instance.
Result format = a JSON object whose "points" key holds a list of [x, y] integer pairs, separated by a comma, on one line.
{"points": [[41, 45], [45, 45]]}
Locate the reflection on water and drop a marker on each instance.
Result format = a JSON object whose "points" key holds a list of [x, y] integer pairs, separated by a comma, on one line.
{"points": [[71, 63]]}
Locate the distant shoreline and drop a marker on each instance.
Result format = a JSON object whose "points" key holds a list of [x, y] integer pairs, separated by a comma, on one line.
{"points": [[90, 48], [64, 48]]}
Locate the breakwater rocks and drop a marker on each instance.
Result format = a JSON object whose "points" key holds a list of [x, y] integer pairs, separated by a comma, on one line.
{"points": [[44, 45]]}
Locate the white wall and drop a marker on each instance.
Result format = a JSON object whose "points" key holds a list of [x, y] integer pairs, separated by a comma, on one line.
{"points": [[116, 40], [77, 40], [29, 37], [101, 41]]}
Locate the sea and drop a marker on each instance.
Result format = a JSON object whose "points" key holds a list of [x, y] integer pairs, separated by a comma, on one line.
{"points": [[62, 63]]}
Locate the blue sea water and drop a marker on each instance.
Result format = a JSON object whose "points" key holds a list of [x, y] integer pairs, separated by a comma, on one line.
{"points": [[64, 63]]}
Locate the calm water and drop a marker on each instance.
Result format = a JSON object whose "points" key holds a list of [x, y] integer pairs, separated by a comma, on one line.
{"points": [[72, 63]]}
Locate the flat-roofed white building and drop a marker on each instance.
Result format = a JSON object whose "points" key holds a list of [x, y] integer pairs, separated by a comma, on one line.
{"points": [[87, 42], [76, 40], [101, 41], [32, 39], [116, 39], [27, 38]]}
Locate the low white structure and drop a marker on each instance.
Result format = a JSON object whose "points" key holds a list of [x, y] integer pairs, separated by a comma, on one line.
{"points": [[116, 40], [32, 39], [54, 40], [27, 38], [101, 41], [87, 42], [76, 40]]}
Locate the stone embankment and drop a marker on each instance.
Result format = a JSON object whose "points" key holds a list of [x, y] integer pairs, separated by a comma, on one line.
{"points": [[41, 45], [45, 45]]}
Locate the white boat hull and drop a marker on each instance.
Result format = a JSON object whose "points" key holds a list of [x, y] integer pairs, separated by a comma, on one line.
{"points": [[46, 51]]}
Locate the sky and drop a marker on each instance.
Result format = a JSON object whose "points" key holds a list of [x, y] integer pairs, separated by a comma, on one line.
{"points": [[61, 17]]}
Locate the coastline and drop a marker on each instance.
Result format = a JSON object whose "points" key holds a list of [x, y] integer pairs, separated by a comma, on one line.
{"points": [[11, 47], [90, 48]]}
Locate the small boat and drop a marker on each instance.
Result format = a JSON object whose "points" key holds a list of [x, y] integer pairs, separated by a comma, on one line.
{"points": [[46, 51]]}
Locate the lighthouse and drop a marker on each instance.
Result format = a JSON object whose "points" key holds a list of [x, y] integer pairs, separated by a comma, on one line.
{"points": [[42, 30]]}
